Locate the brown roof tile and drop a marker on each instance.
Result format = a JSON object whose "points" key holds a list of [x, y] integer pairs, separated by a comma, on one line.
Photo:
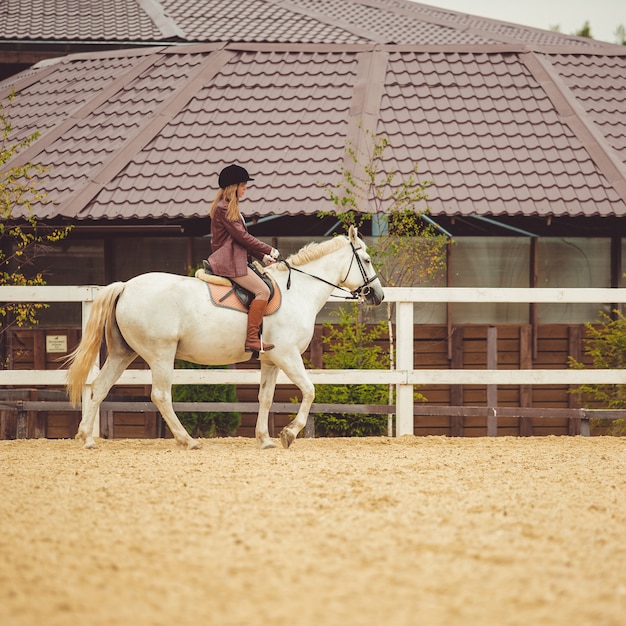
{"points": [[596, 82], [498, 128], [112, 20], [277, 21]]}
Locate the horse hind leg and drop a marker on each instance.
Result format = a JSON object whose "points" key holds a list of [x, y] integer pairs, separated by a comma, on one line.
{"points": [[112, 369], [161, 395]]}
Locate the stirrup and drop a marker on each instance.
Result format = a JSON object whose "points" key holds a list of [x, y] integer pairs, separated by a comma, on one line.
{"points": [[262, 348]]}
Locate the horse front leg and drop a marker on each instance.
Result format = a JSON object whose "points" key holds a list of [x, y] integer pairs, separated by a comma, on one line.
{"points": [[269, 373], [298, 375]]}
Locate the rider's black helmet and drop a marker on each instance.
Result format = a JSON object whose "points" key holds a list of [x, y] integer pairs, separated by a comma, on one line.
{"points": [[233, 175]]}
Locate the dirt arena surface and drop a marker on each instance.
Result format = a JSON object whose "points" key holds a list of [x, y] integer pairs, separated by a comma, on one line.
{"points": [[411, 531]]}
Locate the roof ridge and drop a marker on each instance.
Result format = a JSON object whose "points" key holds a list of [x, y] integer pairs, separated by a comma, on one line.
{"points": [[321, 17], [573, 114], [161, 116], [445, 48], [369, 88], [155, 11], [442, 21], [590, 43]]}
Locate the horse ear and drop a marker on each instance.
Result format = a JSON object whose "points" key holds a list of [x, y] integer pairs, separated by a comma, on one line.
{"points": [[353, 234]]}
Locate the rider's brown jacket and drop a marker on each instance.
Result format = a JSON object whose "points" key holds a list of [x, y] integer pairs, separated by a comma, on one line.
{"points": [[232, 245]]}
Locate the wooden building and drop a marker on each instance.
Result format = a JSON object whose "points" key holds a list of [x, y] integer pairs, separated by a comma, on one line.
{"points": [[521, 132]]}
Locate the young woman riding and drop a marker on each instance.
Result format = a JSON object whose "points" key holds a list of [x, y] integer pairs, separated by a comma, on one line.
{"points": [[232, 245]]}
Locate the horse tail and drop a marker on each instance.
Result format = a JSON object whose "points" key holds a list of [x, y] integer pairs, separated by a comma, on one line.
{"points": [[81, 360]]}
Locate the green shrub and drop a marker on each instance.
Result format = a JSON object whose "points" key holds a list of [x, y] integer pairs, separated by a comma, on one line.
{"points": [[352, 346], [214, 424], [605, 343]]}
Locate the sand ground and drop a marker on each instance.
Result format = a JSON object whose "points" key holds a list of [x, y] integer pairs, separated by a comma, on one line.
{"points": [[340, 532]]}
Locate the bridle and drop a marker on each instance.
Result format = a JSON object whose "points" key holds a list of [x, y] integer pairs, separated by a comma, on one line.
{"points": [[360, 292]]}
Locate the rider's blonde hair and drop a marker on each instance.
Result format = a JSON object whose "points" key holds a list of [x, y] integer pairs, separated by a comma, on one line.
{"points": [[229, 195]]}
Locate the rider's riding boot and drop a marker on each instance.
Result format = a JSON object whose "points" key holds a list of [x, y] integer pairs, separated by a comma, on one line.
{"points": [[255, 317]]}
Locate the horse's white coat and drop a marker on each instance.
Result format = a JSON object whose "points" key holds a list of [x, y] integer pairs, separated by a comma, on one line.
{"points": [[163, 317]]}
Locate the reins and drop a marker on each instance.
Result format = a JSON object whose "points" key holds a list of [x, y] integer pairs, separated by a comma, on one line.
{"points": [[354, 295]]}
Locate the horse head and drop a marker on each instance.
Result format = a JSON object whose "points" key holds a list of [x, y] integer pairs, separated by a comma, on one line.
{"points": [[361, 277]]}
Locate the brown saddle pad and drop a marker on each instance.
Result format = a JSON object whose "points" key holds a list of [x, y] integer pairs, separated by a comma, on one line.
{"points": [[223, 293]]}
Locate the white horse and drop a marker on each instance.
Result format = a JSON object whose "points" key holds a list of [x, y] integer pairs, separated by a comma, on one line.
{"points": [[163, 317]]}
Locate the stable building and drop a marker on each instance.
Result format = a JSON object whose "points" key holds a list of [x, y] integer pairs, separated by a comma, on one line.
{"points": [[521, 133]]}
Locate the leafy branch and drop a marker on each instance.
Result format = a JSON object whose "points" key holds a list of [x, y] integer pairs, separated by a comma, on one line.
{"points": [[22, 237], [409, 251], [605, 344]]}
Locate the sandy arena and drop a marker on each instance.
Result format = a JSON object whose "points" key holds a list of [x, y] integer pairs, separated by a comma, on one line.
{"points": [[340, 532]]}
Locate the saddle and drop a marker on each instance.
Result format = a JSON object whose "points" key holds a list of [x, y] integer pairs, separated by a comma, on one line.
{"points": [[227, 293]]}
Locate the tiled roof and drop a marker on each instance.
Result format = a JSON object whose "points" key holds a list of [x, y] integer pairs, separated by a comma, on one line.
{"points": [[501, 133], [112, 20], [499, 130], [278, 21]]}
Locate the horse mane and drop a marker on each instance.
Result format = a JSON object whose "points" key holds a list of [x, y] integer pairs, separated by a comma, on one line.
{"points": [[313, 251]]}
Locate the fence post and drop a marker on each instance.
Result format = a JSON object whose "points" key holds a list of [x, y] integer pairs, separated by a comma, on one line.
{"points": [[456, 391], [574, 349], [525, 391], [585, 426], [404, 362], [492, 390]]}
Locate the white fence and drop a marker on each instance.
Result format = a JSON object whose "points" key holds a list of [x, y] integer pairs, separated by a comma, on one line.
{"points": [[404, 376]]}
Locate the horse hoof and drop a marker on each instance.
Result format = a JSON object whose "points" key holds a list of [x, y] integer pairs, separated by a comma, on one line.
{"points": [[286, 438], [192, 444], [90, 444], [266, 444]]}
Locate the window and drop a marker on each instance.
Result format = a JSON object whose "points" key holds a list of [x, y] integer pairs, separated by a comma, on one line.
{"points": [[490, 262], [572, 262], [70, 262], [139, 255]]}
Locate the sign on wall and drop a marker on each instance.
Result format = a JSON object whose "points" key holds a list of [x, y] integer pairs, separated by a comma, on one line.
{"points": [[56, 343]]}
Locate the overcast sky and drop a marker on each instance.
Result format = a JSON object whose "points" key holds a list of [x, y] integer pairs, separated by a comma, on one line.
{"points": [[603, 15]]}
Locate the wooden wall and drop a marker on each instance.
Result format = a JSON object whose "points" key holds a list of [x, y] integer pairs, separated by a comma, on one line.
{"points": [[435, 346], [28, 351]]}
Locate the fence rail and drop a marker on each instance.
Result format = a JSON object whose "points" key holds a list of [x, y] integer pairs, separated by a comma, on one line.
{"points": [[22, 407], [404, 376]]}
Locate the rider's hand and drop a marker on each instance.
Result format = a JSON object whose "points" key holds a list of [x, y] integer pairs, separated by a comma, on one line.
{"points": [[274, 253], [268, 260]]}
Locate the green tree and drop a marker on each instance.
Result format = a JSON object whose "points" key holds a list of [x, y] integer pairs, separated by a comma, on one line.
{"points": [[206, 424], [584, 31], [605, 343], [410, 250], [22, 237]]}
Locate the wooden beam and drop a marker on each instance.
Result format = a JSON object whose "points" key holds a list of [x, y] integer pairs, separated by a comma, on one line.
{"points": [[492, 390], [456, 391], [574, 349], [526, 391]]}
